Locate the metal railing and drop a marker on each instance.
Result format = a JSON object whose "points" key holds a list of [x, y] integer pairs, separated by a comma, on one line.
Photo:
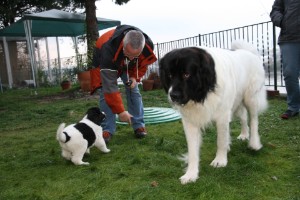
{"points": [[261, 35]]}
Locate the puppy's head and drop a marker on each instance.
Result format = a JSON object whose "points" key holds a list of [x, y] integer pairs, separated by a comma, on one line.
{"points": [[95, 115], [187, 74]]}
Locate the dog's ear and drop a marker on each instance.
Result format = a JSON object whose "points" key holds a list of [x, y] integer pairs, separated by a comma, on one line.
{"points": [[164, 73], [93, 110], [95, 115], [206, 75], [102, 116]]}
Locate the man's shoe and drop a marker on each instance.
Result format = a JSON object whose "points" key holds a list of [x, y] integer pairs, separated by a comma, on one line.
{"points": [[288, 114], [106, 136], [140, 132]]}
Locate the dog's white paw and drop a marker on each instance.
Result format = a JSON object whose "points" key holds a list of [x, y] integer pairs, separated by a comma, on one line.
{"points": [[84, 163], [188, 178], [255, 143], [80, 162], [67, 156], [219, 162], [255, 146], [243, 137], [106, 150]]}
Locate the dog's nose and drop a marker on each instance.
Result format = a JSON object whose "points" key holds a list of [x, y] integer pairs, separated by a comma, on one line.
{"points": [[175, 96]]}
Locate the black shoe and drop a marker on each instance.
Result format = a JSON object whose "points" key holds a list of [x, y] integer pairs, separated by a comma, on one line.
{"points": [[140, 132], [288, 114]]}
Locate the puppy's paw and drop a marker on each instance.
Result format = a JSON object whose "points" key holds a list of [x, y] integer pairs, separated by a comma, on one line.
{"points": [[219, 162], [106, 150], [188, 178], [80, 163], [84, 163]]}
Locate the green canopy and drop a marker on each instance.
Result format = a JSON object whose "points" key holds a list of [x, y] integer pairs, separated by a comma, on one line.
{"points": [[53, 23]]}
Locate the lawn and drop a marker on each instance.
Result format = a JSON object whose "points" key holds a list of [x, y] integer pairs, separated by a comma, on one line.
{"points": [[31, 166]]}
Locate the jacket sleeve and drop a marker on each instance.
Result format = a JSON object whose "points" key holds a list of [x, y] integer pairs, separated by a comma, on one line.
{"points": [[111, 91], [109, 78], [277, 12], [96, 57]]}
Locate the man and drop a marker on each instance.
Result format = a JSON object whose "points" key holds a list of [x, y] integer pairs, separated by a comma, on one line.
{"points": [[286, 15], [124, 52]]}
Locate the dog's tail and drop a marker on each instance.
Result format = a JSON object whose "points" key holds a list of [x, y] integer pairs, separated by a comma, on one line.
{"points": [[240, 44], [59, 133]]}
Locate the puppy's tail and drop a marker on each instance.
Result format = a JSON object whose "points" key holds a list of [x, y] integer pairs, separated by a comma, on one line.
{"points": [[59, 133], [240, 44]]}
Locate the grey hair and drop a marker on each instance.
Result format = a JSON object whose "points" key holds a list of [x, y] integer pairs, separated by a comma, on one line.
{"points": [[135, 38]]}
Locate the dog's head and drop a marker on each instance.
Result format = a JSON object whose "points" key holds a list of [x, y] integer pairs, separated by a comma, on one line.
{"points": [[95, 115], [187, 74]]}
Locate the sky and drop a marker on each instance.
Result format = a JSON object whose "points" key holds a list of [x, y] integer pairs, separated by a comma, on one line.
{"points": [[167, 20]]}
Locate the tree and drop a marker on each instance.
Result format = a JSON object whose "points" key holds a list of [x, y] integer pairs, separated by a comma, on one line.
{"points": [[91, 25], [91, 28], [12, 10]]}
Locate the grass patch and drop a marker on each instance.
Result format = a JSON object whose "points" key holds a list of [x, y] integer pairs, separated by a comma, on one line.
{"points": [[31, 166]]}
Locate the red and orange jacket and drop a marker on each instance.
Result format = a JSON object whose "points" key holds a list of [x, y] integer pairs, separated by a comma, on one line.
{"points": [[109, 62]]}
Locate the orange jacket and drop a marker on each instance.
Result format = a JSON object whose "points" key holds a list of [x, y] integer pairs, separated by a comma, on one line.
{"points": [[109, 63]]}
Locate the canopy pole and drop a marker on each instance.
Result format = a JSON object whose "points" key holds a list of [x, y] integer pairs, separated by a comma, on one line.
{"points": [[75, 41], [27, 27], [39, 53], [8, 64], [38, 60], [58, 59], [48, 62]]}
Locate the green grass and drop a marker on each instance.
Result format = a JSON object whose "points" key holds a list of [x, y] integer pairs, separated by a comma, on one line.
{"points": [[31, 166]]}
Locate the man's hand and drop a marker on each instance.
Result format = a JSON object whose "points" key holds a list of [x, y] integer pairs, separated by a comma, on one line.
{"points": [[125, 117], [133, 82]]}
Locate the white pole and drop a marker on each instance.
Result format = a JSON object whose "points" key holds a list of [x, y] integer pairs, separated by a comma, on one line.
{"points": [[75, 41], [39, 53], [27, 27], [58, 58], [8, 64], [48, 62]]}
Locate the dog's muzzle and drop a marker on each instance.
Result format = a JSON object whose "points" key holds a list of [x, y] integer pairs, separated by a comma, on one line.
{"points": [[177, 98]]}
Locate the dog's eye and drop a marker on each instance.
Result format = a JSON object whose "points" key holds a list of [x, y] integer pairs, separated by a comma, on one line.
{"points": [[186, 76], [170, 76]]}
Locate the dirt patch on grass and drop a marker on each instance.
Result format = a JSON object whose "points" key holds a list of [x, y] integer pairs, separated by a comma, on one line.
{"points": [[76, 93]]}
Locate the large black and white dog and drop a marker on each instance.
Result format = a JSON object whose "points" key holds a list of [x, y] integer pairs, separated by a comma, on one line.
{"points": [[77, 139], [211, 85]]}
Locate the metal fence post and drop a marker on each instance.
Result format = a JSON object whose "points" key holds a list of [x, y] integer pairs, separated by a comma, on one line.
{"points": [[157, 47], [275, 58], [199, 39]]}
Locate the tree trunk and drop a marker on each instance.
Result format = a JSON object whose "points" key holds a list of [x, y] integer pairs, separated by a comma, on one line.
{"points": [[92, 33]]}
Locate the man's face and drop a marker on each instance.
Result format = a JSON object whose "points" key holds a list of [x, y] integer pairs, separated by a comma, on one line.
{"points": [[131, 53]]}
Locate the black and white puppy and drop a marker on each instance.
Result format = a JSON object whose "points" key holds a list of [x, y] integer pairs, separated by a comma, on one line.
{"points": [[211, 85], [77, 139]]}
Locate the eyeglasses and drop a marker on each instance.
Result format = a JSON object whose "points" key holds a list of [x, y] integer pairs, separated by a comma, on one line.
{"points": [[130, 57]]}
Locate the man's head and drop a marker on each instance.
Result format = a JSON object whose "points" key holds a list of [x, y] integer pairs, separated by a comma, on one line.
{"points": [[133, 44]]}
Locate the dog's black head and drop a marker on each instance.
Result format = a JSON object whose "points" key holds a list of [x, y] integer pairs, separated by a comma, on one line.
{"points": [[187, 74], [95, 115]]}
